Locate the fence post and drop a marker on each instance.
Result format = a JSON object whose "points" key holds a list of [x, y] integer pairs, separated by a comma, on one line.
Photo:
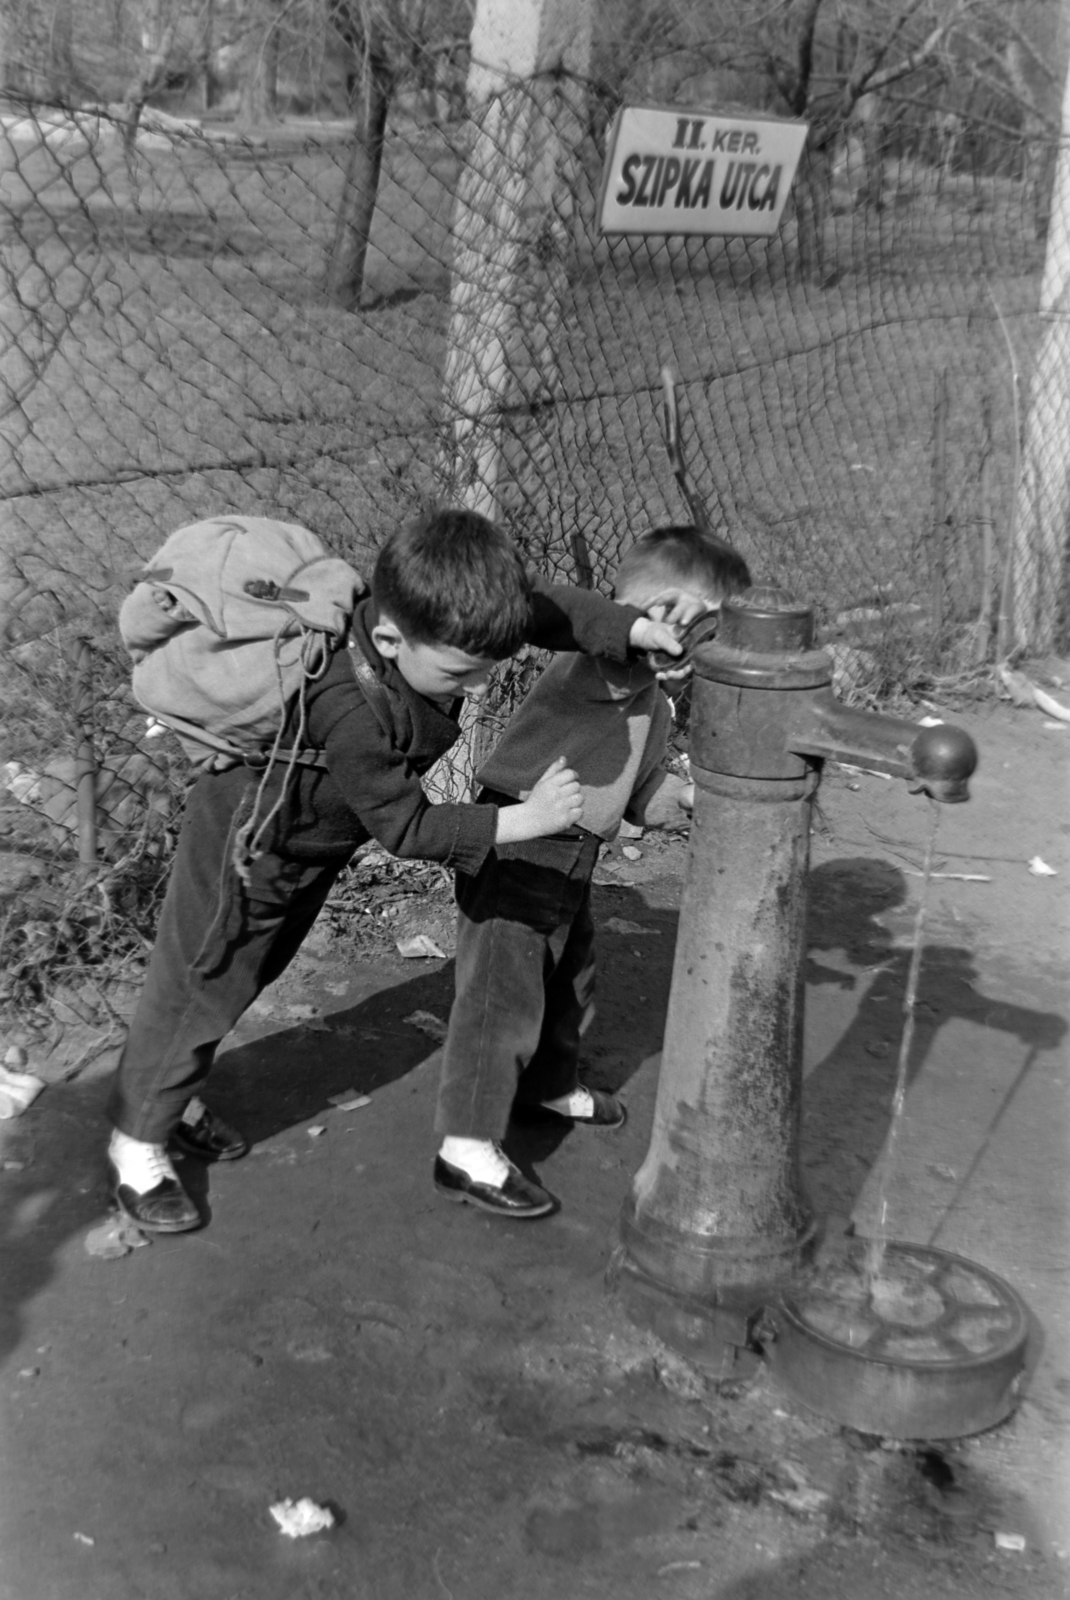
{"points": [[1042, 495], [511, 233], [938, 561], [85, 765], [983, 636], [581, 559]]}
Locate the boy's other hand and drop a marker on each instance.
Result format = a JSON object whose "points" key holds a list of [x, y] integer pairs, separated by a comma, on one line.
{"points": [[554, 805], [557, 797]]}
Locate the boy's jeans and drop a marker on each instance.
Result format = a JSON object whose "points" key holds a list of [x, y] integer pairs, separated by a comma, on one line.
{"points": [[525, 983], [217, 946]]}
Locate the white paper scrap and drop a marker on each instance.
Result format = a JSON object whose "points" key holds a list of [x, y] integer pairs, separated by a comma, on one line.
{"points": [[298, 1518], [420, 946]]}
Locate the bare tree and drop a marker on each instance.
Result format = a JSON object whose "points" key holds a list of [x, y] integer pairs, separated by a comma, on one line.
{"points": [[35, 49], [391, 42], [374, 86], [256, 35], [158, 33]]}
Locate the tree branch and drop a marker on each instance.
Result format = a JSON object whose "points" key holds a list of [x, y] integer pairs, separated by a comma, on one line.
{"points": [[800, 98]]}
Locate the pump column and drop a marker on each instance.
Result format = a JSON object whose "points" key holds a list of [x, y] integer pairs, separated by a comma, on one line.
{"points": [[716, 1214]]}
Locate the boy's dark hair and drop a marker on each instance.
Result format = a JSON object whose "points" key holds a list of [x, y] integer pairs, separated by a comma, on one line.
{"points": [[685, 556], [452, 577]]}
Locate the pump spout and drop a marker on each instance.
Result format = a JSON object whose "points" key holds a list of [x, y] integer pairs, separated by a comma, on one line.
{"points": [[937, 761]]}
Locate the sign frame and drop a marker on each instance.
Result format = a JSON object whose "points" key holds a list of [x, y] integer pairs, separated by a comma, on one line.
{"points": [[710, 194]]}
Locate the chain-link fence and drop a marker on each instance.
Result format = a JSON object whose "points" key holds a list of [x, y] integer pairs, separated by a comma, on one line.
{"points": [[187, 330]]}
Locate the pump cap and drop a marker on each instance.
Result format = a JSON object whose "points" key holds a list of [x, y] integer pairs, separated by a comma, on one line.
{"points": [[767, 620]]}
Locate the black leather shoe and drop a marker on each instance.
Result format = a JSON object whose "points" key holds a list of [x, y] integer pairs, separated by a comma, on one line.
{"points": [[516, 1197], [209, 1139], [167, 1208], [607, 1111]]}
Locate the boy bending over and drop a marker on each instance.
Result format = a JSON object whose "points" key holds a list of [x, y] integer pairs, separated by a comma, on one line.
{"points": [[525, 963], [450, 598]]}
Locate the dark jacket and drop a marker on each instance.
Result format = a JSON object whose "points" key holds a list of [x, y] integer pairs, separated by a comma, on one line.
{"points": [[372, 788]]}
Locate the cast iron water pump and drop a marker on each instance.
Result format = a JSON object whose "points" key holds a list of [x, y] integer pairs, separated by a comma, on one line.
{"points": [[716, 1218]]}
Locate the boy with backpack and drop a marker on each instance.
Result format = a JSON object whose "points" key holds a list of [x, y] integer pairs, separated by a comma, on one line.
{"points": [[525, 961], [362, 700]]}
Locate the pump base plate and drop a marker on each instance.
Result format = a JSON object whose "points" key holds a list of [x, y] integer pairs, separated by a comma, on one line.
{"points": [[916, 1343]]}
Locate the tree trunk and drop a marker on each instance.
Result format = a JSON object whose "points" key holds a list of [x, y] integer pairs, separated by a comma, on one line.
{"points": [[62, 52], [1042, 509], [345, 270], [148, 79], [259, 56], [205, 58], [35, 48]]}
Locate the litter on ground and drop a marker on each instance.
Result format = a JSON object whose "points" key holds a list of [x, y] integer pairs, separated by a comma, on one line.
{"points": [[428, 1023], [420, 946], [348, 1099], [18, 1089], [114, 1238], [622, 925], [957, 877], [298, 1518]]}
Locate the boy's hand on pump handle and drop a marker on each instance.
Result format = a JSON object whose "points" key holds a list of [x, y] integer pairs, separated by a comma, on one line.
{"points": [[667, 617], [554, 805]]}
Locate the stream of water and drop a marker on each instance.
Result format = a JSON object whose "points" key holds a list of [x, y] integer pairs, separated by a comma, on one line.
{"points": [[878, 1243]]}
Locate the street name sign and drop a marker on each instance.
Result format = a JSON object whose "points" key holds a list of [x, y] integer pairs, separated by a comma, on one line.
{"points": [[669, 170]]}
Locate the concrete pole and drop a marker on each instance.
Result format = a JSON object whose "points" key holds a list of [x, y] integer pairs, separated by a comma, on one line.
{"points": [[512, 230], [512, 233], [1042, 508]]}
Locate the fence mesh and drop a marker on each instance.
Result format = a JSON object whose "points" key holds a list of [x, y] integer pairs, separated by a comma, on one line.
{"points": [[853, 391]]}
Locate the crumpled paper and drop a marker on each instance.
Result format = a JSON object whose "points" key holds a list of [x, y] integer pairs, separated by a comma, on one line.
{"points": [[420, 945], [114, 1238], [18, 1089], [298, 1518]]}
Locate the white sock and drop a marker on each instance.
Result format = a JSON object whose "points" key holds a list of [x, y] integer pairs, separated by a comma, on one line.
{"points": [[480, 1158], [194, 1111], [139, 1164], [579, 1102]]}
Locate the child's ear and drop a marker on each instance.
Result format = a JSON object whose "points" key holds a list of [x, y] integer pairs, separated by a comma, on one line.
{"points": [[387, 638]]}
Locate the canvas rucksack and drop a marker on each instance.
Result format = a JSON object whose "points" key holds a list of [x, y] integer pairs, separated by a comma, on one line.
{"points": [[231, 621], [231, 618]]}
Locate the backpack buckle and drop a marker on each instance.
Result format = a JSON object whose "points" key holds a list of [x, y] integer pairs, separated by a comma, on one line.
{"points": [[267, 589]]}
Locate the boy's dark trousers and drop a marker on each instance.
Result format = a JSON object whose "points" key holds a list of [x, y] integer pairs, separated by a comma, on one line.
{"points": [[525, 982], [218, 944]]}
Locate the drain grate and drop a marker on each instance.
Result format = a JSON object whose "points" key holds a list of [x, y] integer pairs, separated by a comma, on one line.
{"points": [[927, 1346]]}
